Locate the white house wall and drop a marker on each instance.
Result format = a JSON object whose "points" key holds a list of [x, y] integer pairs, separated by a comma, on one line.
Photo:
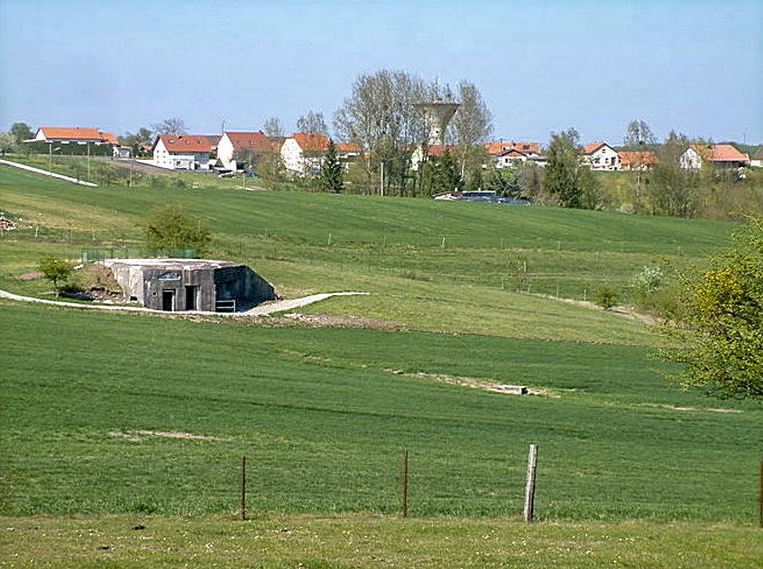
{"points": [[225, 153], [605, 158], [291, 153]]}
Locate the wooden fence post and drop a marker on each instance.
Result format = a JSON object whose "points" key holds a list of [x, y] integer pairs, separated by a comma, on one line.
{"points": [[405, 483], [243, 488], [532, 461]]}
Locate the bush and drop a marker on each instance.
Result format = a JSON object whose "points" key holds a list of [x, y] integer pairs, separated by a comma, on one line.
{"points": [[606, 296]]}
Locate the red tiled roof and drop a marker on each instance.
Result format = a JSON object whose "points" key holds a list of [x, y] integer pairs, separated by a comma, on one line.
{"points": [[311, 141], [347, 147], [77, 133], [728, 153], [185, 142], [637, 157], [592, 147], [110, 138], [256, 141], [496, 148], [439, 149]]}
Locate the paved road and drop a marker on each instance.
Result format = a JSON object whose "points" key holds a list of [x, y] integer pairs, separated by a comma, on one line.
{"points": [[260, 310], [47, 173]]}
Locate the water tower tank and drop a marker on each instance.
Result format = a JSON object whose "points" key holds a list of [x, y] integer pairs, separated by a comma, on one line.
{"points": [[437, 115]]}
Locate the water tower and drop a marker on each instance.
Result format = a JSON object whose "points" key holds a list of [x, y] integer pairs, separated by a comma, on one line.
{"points": [[437, 115]]}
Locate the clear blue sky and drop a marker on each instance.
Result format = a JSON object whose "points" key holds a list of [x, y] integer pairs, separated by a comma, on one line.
{"points": [[693, 66]]}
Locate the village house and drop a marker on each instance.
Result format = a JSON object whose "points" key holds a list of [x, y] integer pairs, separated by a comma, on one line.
{"points": [[637, 160], [184, 151], [303, 152], [756, 160], [74, 135], [519, 152], [233, 143], [717, 155], [600, 156]]}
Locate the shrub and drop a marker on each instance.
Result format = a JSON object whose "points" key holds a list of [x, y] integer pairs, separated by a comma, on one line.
{"points": [[606, 296]]}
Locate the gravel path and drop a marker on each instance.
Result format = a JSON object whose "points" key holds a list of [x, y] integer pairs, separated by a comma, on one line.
{"points": [[260, 310]]}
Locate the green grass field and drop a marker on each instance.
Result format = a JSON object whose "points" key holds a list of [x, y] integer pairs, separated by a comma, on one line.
{"points": [[93, 404]]}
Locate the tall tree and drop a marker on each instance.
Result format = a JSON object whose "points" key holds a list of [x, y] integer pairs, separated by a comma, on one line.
{"points": [[673, 190], [565, 177], [638, 135], [172, 125], [722, 328], [331, 171], [312, 122], [21, 132], [273, 127], [470, 127], [445, 174], [380, 116]]}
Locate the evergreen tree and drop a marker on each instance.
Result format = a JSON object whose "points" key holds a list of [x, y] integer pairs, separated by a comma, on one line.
{"points": [[565, 178], [445, 174], [331, 171]]}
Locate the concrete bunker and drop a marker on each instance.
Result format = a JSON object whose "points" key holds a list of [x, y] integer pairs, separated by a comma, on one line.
{"points": [[176, 285]]}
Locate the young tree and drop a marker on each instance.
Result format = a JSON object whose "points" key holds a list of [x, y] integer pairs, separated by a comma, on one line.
{"points": [[169, 227], [722, 330], [331, 171], [55, 269], [273, 128], [312, 122], [7, 142]]}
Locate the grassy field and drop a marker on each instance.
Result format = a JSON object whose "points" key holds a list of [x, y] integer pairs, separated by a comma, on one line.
{"points": [[323, 419], [113, 420]]}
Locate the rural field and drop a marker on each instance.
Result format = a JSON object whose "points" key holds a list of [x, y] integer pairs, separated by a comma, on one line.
{"points": [[123, 433]]}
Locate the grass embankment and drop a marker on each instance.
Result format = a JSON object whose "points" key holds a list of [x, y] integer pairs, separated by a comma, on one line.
{"points": [[286, 542], [427, 264]]}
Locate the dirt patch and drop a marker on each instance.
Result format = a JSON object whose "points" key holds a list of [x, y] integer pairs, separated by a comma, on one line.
{"points": [[30, 276], [675, 408], [325, 320], [474, 383], [135, 436]]}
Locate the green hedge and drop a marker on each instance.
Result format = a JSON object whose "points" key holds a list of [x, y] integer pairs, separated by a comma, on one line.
{"points": [[67, 148]]}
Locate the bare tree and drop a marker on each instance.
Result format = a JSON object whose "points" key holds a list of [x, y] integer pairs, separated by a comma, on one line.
{"points": [[471, 125], [639, 135], [312, 122], [273, 127], [172, 125], [380, 116]]}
